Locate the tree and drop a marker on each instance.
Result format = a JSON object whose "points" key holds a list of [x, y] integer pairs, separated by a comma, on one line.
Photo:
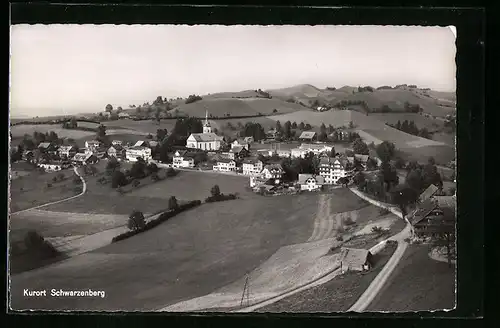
{"points": [[344, 181], [302, 126], [399, 163], [330, 128], [278, 127], [172, 203], [287, 130], [161, 134], [307, 127], [119, 110], [351, 125], [101, 133], [360, 147], [109, 108], [385, 151], [322, 128], [415, 180], [136, 183], [359, 179], [294, 125], [118, 179], [136, 220], [431, 175], [398, 125], [138, 169], [333, 153], [157, 115], [389, 175], [403, 196], [322, 136], [215, 191]]}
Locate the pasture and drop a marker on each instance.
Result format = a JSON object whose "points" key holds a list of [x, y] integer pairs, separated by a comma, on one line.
{"points": [[18, 131], [442, 154], [401, 139], [33, 189], [193, 254], [420, 120], [418, 283]]}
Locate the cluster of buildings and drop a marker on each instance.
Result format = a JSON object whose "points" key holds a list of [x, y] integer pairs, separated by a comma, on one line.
{"points": [[53, 157]]}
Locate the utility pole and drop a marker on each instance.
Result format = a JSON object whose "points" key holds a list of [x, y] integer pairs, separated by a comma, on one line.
{"points": [[244, 290]]}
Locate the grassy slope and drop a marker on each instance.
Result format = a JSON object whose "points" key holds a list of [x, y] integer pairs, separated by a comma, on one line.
{"points": [[337, 295], [418, 283]]}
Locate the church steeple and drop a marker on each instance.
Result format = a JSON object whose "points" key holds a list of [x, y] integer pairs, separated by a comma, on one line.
{"points": [[206, 127]]}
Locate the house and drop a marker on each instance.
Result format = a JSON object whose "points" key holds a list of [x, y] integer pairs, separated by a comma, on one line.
{"points": [[248, 140], [117, 151], [239, 152], [225, 165], [67, 151], [428, 193], [240, 143], [272, 134], [181, 159], [283, 153], [265, 152], [84, 159], [141, 143], [308, 136], [153, 144], [116, 142], [252, 167], [48, 148], [355, 259], [226, 155], [273, 172], [123, 115], [317, 149], [430, 219], [298, 152], [206, 140], [135, 152], [51, 166], [332, 169], [310, 182], [257, 181], [28, 155], [92, 144]]}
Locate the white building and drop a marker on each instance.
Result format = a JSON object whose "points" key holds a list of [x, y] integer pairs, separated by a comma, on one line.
{"points": [[116, 142], [274, 172], [123, 115], [206, 140], [51, 167], [252, 167], [225, 165], [181, 160], [133, 153], [310, 182], [67, 151], [335, 168], [240, 143], [92, 144]]}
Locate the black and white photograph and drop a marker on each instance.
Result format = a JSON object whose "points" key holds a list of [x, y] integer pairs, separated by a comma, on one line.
{"points": [[232, 168]]}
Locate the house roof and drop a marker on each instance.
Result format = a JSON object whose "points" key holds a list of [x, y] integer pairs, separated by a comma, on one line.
{"points": [[116, 147], [138, 148], [206, 137], [180, 152], [354, 257], [225, 160], [66, 148], [307, 135], [428, 193], [343, 160], [362, 158], [274, 167], [314, 146], [44, 145], [251, 161], [304, 177], [82, 157], [140, 143], [423, 211], [236, 149]]}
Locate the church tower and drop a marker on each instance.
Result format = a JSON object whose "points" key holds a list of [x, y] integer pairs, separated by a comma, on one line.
{"points": [[206, 127]]}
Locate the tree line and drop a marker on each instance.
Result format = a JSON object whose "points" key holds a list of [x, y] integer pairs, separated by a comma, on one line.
{"points": [[411, 128]]}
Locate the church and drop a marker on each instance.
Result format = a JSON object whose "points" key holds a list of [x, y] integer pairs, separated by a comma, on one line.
{"points": [[206, 140]]}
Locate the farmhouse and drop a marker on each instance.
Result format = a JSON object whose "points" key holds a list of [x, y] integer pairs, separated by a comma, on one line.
{"points": [[283, 153], [51, 167], [333, 169], [240, 143], [308, 136], [181, 159], [239, 152], [273, 172], [141, 143], [135, 152], [252, 167], [48, 148], [354, 259], [206, 140], [67, 151], [84, 159], [123, 115], [116, 142], [429, 219], [225, 165], [117, 151], [248, 140], [92, 145], [272, 134], [310, 182]]}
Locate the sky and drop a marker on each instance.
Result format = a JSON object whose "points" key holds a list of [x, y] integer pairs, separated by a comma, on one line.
{"points": [[69, 69]]}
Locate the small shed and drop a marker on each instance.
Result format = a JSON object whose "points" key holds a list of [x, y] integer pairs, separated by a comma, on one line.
{"points": [[355, 259]]}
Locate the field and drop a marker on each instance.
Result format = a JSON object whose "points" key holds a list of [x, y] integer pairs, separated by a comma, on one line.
{"points": [[418, 283], [18, 131], [420, 120], [32, 189], [400, 139], [442, 154], [237, 107], [337, 295], [193, 254]]}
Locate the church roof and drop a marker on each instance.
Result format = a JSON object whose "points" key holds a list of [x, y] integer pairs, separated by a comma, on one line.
{"points": [[206, 137]]}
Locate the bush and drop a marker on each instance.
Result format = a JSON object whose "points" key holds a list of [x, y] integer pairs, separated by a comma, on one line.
{"points": [[33, 239], [348, 221], [220, 198], [49, 185], [171, 172], [135, 183], [383, 211], [136, 220], [339, 238], [379, 230], [161, 218]]}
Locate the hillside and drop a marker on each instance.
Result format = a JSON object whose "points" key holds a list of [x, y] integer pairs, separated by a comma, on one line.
{"points": [[220, 107]]}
